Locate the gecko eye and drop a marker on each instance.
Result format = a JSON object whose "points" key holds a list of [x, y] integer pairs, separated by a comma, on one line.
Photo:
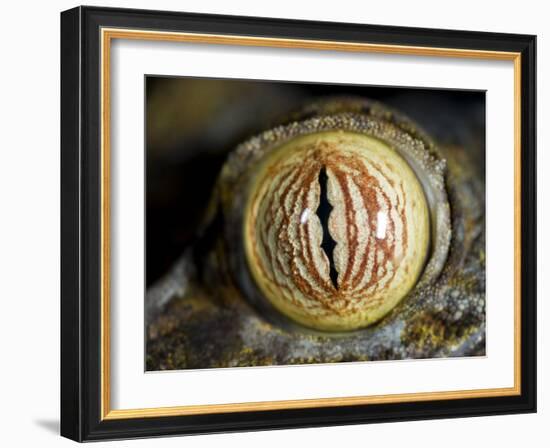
{"points": [[336, 229], [342, 217]]}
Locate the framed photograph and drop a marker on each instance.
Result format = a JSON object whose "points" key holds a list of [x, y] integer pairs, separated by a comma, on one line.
{"points": [[277, 224]]}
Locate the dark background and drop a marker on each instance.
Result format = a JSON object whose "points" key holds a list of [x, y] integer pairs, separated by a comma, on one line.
{"points": [[192, 124]]}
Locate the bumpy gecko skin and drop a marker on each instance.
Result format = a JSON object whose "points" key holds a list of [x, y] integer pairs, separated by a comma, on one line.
{"points": [[330, 238]]}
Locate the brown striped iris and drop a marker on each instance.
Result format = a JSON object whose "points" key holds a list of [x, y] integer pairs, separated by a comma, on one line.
{"points": [[336, 229]]}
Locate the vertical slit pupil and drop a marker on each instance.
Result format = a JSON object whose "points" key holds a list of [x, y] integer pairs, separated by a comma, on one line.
{"points": [[323, 212]]}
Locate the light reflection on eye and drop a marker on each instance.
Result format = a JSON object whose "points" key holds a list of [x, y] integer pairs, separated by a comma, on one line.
{"points": [[304, 216], [381, 224]]}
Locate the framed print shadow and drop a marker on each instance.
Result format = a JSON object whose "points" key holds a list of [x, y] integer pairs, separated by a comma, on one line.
{"points": [[276, 224]]}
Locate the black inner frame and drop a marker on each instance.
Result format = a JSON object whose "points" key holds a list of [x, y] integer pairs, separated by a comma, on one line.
{"points": [[81, 220]]}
